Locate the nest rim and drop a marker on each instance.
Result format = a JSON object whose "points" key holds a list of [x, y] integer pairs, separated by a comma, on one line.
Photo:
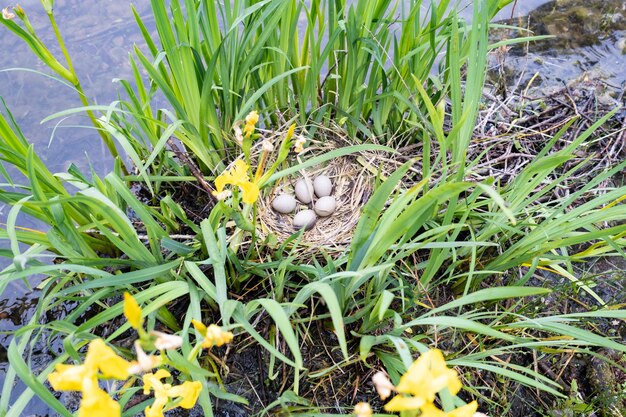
{"points": [[353, 178], [352, 186]]}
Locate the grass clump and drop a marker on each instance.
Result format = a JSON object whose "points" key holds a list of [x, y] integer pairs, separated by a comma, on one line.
{"points": [[433, 254]]}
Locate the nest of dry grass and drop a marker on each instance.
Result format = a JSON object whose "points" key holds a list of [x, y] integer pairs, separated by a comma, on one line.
{"points": [[352, 177]]}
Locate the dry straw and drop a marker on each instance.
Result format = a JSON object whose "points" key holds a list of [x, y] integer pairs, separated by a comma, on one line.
{"points": [[352, 177]]}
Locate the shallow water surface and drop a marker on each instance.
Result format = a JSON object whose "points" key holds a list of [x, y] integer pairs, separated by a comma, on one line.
{"points": [[99, 36], [588, 35]]}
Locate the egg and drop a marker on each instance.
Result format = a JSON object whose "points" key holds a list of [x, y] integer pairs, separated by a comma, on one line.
{"points": [[304, 190], [322, 186], [305, 218], [325, 206], [284, 203]]}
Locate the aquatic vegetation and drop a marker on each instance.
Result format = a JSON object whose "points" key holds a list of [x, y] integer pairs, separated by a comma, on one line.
{"points": [[438, 259]]}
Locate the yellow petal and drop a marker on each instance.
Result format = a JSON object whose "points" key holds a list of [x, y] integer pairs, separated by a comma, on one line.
{"points": [[436, 359], [428, 375], [153, 380], [236, 176], [189, 391], [69, 377], [201, 328], [292, 129], [215, 336], [430, 410], [413, 380], [156, 410], [132, 311], [441, 375], [467, 410], [250, 192], [239, 173], [248, 129], [449, 380], [97, 403], [102, 357], [252, 118], [221, 181], [401, 403]]}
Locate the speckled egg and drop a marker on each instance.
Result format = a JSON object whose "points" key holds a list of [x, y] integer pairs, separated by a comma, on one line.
{"points": [[284, 203], [305, 218], [322, 186], [304, 190], [325, 206]]}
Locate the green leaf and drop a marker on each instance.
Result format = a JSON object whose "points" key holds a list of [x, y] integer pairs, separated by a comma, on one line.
{"points": [[25, 374]]}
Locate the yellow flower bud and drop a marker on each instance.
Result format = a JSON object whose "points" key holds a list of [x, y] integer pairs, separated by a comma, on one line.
{"points": [[132, 311], [213, 335]]}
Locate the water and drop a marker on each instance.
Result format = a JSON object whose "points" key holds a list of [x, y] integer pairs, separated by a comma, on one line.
{"points": [[100, 35], [589, 36]]}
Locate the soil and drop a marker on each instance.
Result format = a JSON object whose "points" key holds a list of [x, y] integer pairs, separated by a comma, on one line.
{"points": [[595, 380]]}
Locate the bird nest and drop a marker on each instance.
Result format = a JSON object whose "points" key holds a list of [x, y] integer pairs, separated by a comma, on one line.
{"points": [[352, 179]]}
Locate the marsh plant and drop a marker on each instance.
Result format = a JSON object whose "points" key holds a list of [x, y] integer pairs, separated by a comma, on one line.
{"points": [[438, 265]]}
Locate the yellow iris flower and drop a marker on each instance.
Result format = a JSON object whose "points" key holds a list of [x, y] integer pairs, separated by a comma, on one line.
{"points": [[99, 357], [251, 120], [101, 361], [213, 335], [400, 403], [102, 357], [188, 392], [427, 376], [132, 311], [238, 177], [97, 403], [69, 377], [468, 410]]}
